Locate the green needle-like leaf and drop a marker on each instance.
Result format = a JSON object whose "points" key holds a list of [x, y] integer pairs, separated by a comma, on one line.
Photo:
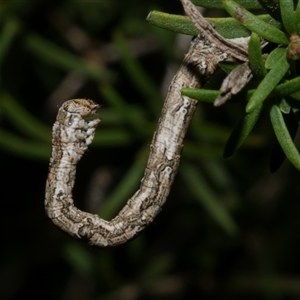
{"points": [[297, 18], [208, 198], [175, 23], [62, 58], [109, 137], [284, 106], [227, 27], [138, 76], [23, 120], [289, 87], [78, 257], [129, 113], [256, 62], [241, 131], [268, 83], [201, 94], [24, 147], [124, 190], [274, 56], [211, 95], [278, 156], [228, 67], [288, 16], [296, 96], [248, 4], [254, 24], [8, 33], [284, 137]]}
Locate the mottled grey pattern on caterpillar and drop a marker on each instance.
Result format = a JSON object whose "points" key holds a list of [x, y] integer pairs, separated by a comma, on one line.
{"points": [[72, 134]]}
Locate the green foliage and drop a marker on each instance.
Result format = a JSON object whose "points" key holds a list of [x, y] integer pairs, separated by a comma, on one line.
{"points": [[227, 27], [256, 61], [248, 4], [282, 63]]}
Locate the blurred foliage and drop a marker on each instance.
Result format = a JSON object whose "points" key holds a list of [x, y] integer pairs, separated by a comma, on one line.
{"points": [[229, 228]]}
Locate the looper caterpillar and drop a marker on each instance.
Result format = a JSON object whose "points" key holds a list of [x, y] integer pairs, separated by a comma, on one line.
{"points": [[72, 134]]}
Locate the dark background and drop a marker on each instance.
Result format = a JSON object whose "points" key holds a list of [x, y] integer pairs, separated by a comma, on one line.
{"points": [[230, 228]]}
